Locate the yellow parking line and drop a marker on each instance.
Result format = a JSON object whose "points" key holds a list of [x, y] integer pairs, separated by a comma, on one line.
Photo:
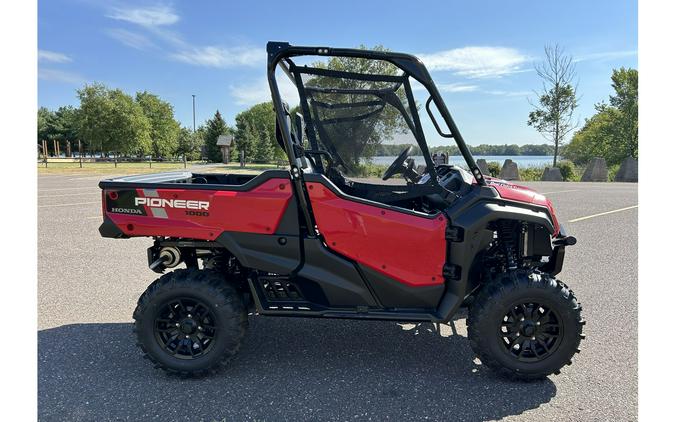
{"points": [[602, 213], [68, 205]]}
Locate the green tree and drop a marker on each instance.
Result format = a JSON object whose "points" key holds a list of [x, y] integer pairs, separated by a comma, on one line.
{"points": [[112, 121], [553, 113], [245, 138], [595, 139], [164, 129], [189, 144], [215, 127], [625, 100], [60, 126], [263, 148], [261, 120], [612, 133], [45, 124], [65, 123]]}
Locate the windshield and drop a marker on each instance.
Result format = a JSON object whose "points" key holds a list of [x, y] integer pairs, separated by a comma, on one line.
{"points": [[363, 119]]}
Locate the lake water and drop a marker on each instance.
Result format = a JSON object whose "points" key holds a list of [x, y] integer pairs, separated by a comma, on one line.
{"points": [[522, 160]]}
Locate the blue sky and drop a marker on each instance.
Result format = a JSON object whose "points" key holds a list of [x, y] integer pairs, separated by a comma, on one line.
{"points": [[481, 53]]}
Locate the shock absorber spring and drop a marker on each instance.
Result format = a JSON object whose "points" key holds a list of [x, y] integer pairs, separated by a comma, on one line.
{"points": [[508, 239]]}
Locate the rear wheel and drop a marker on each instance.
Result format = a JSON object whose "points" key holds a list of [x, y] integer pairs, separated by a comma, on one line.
{"points": [[525, 325], [190, 322]]}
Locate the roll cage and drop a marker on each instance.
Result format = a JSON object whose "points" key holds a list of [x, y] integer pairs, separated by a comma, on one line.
{"points": [[281, 53]]}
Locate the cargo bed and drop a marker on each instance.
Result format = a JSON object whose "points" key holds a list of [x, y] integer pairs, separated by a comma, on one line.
{"points": [[194, 205]]}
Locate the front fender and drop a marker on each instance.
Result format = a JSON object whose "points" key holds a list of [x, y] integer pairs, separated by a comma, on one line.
{"points": [[474, 221]]}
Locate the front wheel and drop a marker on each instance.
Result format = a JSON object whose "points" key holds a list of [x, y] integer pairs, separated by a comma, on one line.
{"points": [[525, 325], [190, 322]]}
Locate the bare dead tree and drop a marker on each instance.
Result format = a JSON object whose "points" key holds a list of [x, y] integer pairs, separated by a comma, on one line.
{"points": [[554, 109]]}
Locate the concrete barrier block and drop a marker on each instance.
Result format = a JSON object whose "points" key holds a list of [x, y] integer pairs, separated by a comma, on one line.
{"points": [[596, 171], [552, 174], [628, 172], [482, 165], [509, 171]]}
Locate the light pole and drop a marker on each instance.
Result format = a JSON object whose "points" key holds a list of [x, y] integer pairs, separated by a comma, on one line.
{"points": [[193, 132], [193, 114]]}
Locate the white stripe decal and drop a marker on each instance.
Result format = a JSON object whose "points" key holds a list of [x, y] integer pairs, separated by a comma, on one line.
{"points": [[159, 212]]}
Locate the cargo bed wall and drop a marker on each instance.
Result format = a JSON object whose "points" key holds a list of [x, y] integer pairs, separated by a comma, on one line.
{"points": [[172, 205]]}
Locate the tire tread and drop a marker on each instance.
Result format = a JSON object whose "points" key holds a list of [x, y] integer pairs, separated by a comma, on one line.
{"points": [[497, 291], [212, 283]]}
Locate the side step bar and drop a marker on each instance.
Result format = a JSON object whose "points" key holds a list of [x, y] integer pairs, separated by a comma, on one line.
{"points": [[307, 309]]}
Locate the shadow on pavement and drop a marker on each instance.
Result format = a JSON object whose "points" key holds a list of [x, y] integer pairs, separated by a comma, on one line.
{"points": [[287, 369]]}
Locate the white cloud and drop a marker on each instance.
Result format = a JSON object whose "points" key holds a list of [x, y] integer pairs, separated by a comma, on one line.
{"points": [[221, 57], [259, 91], [53, 57], [130, 39], [456, 87], [155, 22], [509, 93], [476, 62], [149, 16], [606, 55], [60, 76]]}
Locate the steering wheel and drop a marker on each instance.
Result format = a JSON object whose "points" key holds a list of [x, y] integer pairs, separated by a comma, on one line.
{"points": [[397, 166]]}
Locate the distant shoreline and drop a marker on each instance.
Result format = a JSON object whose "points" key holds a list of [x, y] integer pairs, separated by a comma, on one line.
{"points": [[520, 160]]}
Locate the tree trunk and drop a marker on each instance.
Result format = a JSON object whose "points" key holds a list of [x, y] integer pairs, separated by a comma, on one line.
{"points": [[557, 142]]}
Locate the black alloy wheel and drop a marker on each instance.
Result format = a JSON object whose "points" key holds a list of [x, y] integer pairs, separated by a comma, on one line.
{"points": [[531, 331], [186, 328]]}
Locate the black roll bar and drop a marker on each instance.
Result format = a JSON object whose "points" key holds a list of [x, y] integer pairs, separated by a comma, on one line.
{"points": [[277, 51]]}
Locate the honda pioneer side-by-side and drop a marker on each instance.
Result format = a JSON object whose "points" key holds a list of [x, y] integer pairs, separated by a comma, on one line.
{"points": [[320, 240]]}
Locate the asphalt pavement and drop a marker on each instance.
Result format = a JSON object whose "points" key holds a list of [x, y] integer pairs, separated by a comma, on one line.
{"points": [[314, 369]]}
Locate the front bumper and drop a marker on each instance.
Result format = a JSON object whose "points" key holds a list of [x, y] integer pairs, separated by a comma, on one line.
{"points": [[555, 262]]}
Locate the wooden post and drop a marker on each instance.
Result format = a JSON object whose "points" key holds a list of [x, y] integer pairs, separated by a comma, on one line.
{"points": [[45, 152], [79, 149], [151, 161]]}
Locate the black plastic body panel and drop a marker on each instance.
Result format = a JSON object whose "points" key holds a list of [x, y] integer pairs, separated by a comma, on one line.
{"points": [[290, 221], [338, 277], [473, 213], [272, 253], [555, 263], [110, 229], [538, 241], [394, 294]]}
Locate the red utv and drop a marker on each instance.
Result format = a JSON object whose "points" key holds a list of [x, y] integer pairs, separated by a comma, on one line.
{"points": [[319, 241]]}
